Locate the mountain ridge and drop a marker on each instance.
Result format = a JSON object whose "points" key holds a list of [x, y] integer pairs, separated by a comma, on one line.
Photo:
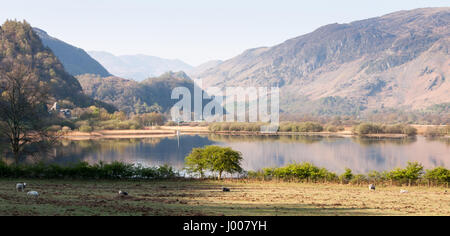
{"points": [[138, 67], [75, 60], [399, 60], [19, 43]]}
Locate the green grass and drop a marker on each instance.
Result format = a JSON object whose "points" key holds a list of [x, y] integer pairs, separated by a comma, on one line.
{"points": [[195, 197]]}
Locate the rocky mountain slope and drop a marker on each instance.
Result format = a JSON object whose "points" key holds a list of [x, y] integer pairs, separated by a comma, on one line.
{"points": [[75, 60], [397, 61], [198, 70]]}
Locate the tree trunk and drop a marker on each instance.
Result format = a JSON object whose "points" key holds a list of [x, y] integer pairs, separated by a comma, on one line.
{"points": [[16, 151]]}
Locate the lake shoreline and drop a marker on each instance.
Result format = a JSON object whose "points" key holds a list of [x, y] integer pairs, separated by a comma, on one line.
{"points": [[172, 131]]}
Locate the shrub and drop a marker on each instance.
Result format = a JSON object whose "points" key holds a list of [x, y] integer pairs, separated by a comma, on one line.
{"points": [[85, 128], [54, 128], [347, 175], [439, 174], [66, 129], [170, 123], [412, 172], [83, 170]]}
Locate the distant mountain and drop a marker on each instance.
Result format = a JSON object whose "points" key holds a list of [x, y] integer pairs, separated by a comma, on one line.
{"points": [[19, 41], [127, 95], [138, 67], [397, 61], [75, 60], [198, 70]]}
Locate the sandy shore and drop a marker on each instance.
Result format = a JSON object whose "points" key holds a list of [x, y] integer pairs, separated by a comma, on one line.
{"points": [[169, 131]]}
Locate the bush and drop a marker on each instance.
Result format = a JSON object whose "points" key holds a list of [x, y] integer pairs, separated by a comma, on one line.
{"points": [[412, 172], [439, 174], [299, 171], [170, 123], [82, 170], [66, 129], [367, 128], [347, 175], [54, 128], [85, 128]]}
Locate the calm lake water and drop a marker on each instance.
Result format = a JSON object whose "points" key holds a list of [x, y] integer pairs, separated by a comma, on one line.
{"points": [[335, 154]]}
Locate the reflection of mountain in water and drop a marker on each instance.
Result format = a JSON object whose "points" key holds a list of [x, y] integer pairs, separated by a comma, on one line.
{"points": [[361, 155], [338, 153], [148, 151]]}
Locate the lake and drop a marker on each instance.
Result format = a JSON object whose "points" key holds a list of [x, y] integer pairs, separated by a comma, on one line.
{"points": [[334, 153]]}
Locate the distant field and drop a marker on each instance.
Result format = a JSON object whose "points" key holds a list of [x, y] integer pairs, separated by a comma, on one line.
{"points": [[183, 197]]}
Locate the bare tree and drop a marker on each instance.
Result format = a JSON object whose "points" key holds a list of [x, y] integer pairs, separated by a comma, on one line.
{"points": [[23, 108]]}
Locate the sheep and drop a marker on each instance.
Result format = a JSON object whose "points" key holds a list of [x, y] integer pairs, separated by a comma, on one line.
{"points": [[225, 189], [33, 194], [121, 193], [21, 186], [372, 187], [403, 191]]}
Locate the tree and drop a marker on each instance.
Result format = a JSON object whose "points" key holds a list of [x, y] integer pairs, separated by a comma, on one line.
{"points": [[196, 162], [22, 106], [215, 159], [149, 119], [414, 170], [224, 160]]}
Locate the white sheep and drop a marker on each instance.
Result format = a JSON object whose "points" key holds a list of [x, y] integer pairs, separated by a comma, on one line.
{"points": [[21, 186], [372, 187], [403, 191], [33, 194]]}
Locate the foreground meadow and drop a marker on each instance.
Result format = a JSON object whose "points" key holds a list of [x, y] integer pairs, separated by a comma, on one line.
{"points": [[195, 197]]}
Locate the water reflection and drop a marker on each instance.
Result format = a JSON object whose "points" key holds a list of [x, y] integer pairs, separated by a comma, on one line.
{"points": [[333, 153]]}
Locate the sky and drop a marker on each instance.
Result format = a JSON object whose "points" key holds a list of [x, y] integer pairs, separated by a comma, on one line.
{"points": [[194, 31]]}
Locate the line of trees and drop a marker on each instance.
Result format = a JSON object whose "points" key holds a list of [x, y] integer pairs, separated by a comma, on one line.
{"points": [[413, 173], [305, 127], [372, 128], [256, 127]]}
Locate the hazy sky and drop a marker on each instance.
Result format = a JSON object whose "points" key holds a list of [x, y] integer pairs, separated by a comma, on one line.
{"points": [[194, 31]]}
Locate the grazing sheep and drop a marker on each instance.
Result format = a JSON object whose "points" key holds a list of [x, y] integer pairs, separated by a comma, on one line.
{"points": [[403, 191], [21, 186], [225, 189], [372, 187], [122, 193], [33, 194]]}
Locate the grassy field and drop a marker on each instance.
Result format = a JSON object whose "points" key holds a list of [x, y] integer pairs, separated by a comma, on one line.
{"points": [[183, 197]]}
